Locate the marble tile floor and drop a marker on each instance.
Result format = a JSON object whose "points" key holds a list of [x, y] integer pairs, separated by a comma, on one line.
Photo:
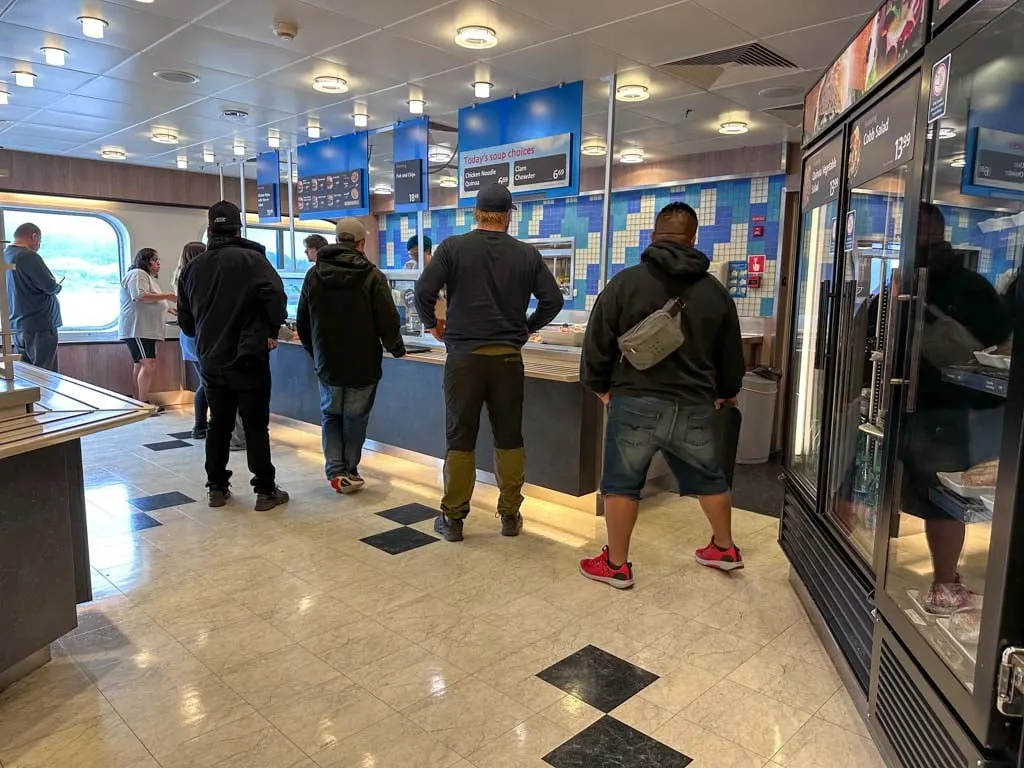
{"points": [[229, 638]]}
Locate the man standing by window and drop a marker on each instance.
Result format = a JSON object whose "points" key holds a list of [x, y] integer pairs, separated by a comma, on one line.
{"points": [[32, 296], [313, 244], [490, 278], [345, 313], [232, 301]]}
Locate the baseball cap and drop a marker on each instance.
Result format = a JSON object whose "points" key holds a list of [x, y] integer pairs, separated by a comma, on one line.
{"points": [[350, 229], [495, 198], [414, 242], [224, 215]]}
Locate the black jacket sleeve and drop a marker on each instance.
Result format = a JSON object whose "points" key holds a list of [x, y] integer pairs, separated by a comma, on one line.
{"points": [[429, 286], [600, 344], [271, 296], [730, 366], [549, 297], [302, 320], [186, 320], [385, 316]]}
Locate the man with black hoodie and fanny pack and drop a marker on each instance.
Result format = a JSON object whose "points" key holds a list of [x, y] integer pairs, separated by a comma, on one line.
{"points": [[670, 405], [345, 314]]}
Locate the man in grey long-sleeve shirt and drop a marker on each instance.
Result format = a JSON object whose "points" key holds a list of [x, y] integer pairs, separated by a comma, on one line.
{"points": [[32, 296], [490, 277]]}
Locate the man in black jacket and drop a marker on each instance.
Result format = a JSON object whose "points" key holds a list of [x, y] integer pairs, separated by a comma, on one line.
{"points": [[490, 277], [670, 406], [345, 313], [232, 301]]}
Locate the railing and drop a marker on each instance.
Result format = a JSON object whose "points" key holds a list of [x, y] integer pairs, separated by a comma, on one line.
{"points": [[7, 356]]}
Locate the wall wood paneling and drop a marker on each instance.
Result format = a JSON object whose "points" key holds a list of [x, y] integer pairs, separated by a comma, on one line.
{"points": [[109, 365]]}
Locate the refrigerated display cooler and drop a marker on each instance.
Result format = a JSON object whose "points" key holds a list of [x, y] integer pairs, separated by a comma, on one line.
{"points": [[905, 403]]}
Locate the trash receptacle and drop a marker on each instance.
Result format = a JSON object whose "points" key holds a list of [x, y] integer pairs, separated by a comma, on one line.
{"points": [[757, 403]]}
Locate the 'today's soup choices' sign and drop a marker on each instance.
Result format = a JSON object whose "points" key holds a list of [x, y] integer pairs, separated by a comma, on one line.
{"points": [[523, 166], [883, 138]]}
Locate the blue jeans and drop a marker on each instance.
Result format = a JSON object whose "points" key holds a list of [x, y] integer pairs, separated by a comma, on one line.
{"points": [[345, 414]]}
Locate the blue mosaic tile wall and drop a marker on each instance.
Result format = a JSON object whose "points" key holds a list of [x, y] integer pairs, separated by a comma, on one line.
{"points": [[728, 212], [877, 214]]}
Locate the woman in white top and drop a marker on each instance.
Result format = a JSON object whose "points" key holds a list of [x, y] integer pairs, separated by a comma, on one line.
{"points": [[141, 323]]}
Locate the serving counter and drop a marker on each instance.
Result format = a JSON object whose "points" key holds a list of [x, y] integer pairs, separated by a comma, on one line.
{"points": [[562, 422], [44, 549]]}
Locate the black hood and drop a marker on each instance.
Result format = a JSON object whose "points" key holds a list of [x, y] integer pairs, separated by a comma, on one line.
{"points": [[341, 266], [677, 260]]}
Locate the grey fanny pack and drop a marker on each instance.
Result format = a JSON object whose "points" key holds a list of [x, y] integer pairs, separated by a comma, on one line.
{"points": [[655, 337]]}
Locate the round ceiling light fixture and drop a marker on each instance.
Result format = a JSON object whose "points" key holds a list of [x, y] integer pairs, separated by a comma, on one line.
{"points": [[448, 182], [360, 118], [209, 156], [330, 84], [482, 89], [439, 153], [164, 136], [55, 57], [24, 78], [476, 37], [93, 26], [313, 130], [594, 149], [3, 97], [631, 156], [176, 77], [239, 149], [733, 128], [633, 92], [416, 106], [960, 161], [182, 163], [273, 141], [113, 153]]}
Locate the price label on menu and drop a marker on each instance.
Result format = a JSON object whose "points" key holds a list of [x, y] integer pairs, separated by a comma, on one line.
{"points": [[525, 166], [475, 177], [409, 181], [883, 138], [266, 201], [823, 175]]}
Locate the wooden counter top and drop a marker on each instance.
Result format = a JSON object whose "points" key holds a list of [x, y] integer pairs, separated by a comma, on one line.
{"points": [[67, 409]]}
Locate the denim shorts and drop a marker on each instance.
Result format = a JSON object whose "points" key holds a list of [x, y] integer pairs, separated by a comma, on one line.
{"points": [[638, 427]]}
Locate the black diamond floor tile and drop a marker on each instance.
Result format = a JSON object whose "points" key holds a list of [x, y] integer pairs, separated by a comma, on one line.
{"points": [[141, 521], [609, 742], [399, 540], [161, 501], [409, 514], [181, 435], [597, 677], [168, 445]]}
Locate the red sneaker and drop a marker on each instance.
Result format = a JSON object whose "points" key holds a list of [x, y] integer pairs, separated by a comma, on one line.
{"points": [[713, 556], [599, 569]]}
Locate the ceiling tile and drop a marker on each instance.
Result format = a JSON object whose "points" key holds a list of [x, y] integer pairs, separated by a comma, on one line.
{"points": [[182, 10], [299, 77], [59, 79], [818, 46], [748, 93], [655, 37], [397, 57], [625, 122], [151, 100], [457, 85], [34, 98], [564, 59], [766, 19], [26, 140], [254, 20], [139, 70], [100, 126], [226, 53], [700, 108], [575, 17], [380, 13], [23, 43]]}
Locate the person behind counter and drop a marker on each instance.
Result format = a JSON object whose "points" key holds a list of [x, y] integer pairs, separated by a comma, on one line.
{"points": [[141, 321], [313, 244], [669, 406], [233, 302], [32, 299], [413, 249], [345, 313], [490, 277]]}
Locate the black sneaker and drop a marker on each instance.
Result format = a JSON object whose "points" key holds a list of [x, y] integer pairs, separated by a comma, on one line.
{"points": [[267, 501], [218, 496], [199, 434], [511, 525], [448, 527]]}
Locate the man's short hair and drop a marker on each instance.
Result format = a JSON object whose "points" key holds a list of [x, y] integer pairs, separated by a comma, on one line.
{"points": [[678, 218], [315, 241], [414, 242], [27, 231]]}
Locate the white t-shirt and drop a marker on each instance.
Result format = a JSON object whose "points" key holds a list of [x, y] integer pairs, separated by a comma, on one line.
{"points": [[140, 320]]}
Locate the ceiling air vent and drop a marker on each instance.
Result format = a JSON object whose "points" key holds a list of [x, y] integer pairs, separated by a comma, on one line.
{"points": [[234, 115], [749, 55], [178, 78]]}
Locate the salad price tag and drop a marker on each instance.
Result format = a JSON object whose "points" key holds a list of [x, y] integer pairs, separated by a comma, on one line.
{"points": [[884, 137]]}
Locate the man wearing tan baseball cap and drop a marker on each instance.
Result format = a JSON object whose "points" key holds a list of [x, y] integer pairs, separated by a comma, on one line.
{"points": [[345, 315]]}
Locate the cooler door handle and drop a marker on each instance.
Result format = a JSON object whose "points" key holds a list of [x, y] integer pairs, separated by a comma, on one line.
{"points": [[824, 310]]}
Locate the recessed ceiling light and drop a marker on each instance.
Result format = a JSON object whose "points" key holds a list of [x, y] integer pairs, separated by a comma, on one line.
{"points": [[448, 182], [164, 136], [239, 149], [273, 141], [330, 84], [313, 130], [113, 153], [959, 161], [360, 118], [3, 97], [55, 57], [176, 77], [594, 149], [147, 2], [209, 156], [382, 189], [182, 163], [475, 37], [632, 93], [482, 89], [416, 106], [24, 78], [631, 156], [733, 128], [439, 153], [93, 27]]}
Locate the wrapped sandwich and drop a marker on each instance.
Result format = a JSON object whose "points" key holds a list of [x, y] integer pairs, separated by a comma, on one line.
{"points": [[982, 475]]}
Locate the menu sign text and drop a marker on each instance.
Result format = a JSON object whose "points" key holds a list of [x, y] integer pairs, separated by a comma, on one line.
{"points": [[409, 181], [331, 192], [822, 176], [999, 160], [883, 138], [525, 166]]}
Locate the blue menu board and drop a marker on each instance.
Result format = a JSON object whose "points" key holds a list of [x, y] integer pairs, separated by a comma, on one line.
{"points": [[334, 178], [268, 187], [411, 142]]}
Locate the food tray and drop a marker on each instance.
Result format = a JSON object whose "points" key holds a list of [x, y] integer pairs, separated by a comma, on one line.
{"points": [[952, 480], [989, 360], [565, 337], [989, 501]]}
